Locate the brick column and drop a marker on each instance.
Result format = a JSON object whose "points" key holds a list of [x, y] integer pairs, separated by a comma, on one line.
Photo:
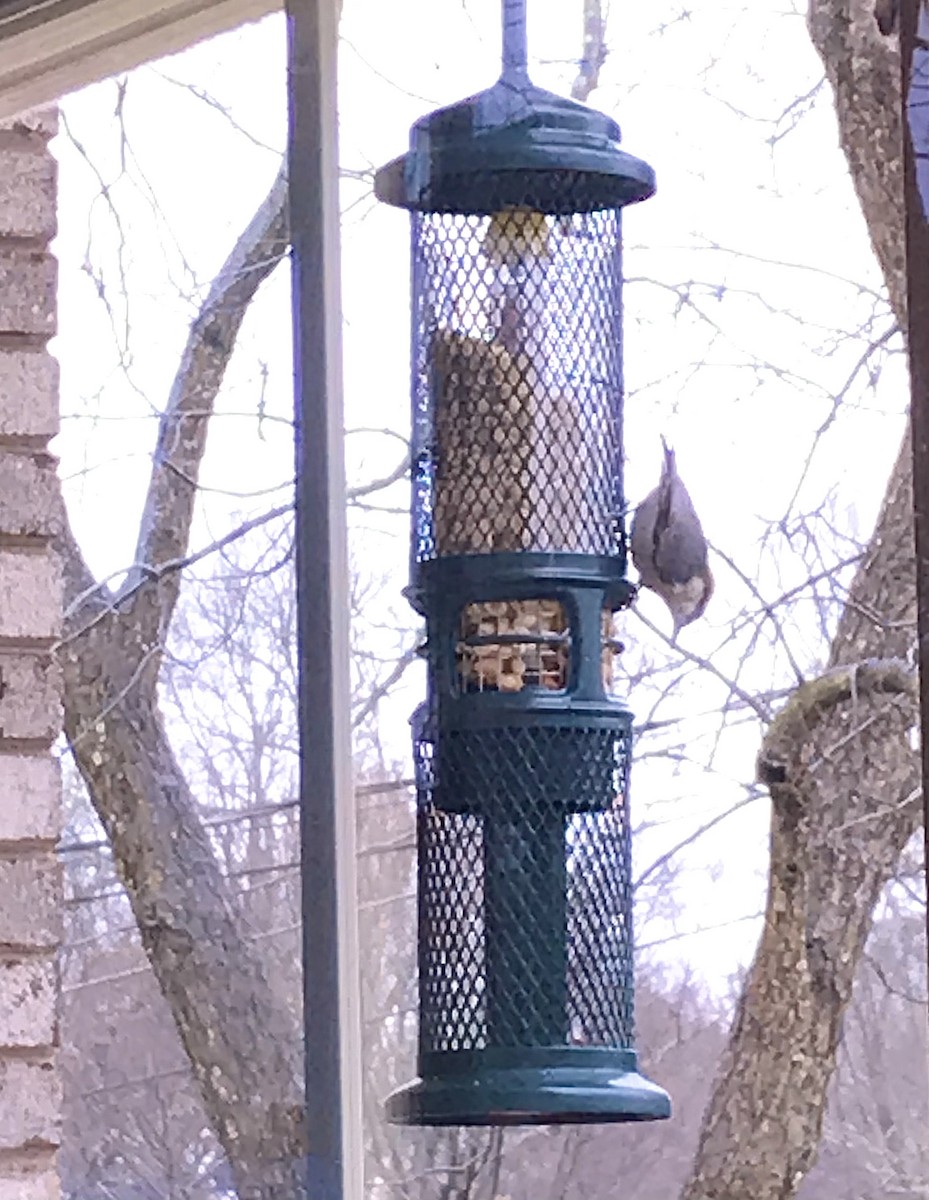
{"points": [[30, 719]]}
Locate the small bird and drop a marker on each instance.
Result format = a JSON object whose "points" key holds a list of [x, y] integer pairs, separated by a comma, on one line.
{"points": [[669, 549]]}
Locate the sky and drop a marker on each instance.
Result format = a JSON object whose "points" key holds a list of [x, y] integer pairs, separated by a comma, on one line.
{"points": [[752, 302]]}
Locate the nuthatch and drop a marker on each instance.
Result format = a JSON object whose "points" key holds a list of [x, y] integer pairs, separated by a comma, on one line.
{"points": [[668, 547]]}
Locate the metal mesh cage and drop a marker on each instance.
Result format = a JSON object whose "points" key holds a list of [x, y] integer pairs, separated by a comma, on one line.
{"points": [[518, 565], [524, 887], [517, 383]]}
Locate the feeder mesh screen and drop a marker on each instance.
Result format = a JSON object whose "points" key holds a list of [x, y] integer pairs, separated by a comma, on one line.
{"points": [[517, 383], [525, 896]]}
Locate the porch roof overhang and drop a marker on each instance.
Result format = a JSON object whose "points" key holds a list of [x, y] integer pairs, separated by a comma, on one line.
{"points": [[51, 47]]}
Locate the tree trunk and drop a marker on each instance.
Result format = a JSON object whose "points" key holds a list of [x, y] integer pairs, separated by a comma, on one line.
{"points": [[838, 760], [244, 1044]]}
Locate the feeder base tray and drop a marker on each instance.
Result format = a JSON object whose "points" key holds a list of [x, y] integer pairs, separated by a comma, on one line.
{"points": [[535, 1086]]}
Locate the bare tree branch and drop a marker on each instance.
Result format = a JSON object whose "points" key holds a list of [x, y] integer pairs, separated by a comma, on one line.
{"points": [[594, 53], [242, 1041], [172, 491]]}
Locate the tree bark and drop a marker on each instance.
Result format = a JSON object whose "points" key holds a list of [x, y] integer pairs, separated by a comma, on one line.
{"points": [[843, 778], [244, 1044]]}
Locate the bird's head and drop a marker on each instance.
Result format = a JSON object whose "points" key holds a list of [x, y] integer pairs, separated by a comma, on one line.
{"points": [[687, 601]]}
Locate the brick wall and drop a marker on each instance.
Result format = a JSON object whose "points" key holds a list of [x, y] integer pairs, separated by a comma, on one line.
{"points": [[30, 606]]}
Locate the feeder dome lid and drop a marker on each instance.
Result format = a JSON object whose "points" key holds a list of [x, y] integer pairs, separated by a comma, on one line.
{"points": [[514, 144]]}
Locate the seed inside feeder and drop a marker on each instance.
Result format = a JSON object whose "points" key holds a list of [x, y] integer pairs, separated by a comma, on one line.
{"points": [[491, 656]]}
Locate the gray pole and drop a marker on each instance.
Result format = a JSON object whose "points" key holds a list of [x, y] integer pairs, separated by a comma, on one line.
{"points": [[331, 1016]]}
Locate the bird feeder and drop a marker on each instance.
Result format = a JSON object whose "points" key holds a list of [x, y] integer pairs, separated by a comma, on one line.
{"points": [[522, 752]]}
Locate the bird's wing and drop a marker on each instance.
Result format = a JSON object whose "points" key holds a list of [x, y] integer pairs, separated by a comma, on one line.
{"points": [[641, 537], [680, 549]]}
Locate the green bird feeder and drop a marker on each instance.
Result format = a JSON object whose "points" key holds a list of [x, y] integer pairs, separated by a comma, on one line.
{"points": [[522, 751]]}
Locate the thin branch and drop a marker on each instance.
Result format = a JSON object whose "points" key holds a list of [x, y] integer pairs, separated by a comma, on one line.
{"points": [[377, 694], [752, 702], [146, 574], [663, 859], [594, 53]]}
